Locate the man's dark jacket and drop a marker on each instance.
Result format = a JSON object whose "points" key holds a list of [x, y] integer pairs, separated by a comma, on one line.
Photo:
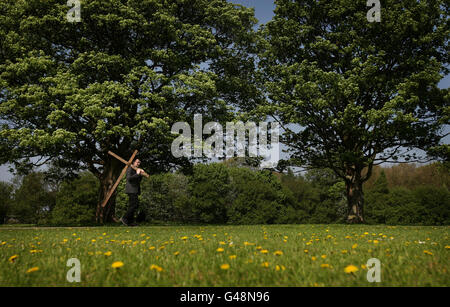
{"points": [[133, 185]]}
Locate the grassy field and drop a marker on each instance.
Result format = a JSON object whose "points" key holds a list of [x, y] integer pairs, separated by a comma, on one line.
{"points": [[261, 255]]}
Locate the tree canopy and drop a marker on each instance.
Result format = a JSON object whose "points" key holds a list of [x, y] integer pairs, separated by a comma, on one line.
{"points": [[117, 80], [362, 93]]}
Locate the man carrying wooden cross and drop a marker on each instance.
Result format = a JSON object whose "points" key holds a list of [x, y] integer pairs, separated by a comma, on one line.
{"points": [[133, 189]]}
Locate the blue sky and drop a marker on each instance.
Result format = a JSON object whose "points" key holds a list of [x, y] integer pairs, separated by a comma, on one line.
{"points": [[263, 12]]}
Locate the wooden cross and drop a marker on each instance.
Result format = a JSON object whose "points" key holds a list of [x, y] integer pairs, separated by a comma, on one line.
{"points": [[127, 164]]}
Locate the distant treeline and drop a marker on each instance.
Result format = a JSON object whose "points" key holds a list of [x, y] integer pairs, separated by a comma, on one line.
{"points": [[221, 193]]}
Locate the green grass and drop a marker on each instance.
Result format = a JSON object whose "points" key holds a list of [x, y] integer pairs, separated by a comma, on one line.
{"points": [[195, 261]]}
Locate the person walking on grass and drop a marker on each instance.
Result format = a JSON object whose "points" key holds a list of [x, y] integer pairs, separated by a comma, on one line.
{"points": [[133, 189]]}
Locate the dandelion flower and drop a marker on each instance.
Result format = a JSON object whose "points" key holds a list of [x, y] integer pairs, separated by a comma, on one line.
{"points": [[350, 269], [324, 265], [265, 264], [225, 266], [117, 264], [354, 246], [278, 253], [220, 250], [232, 257], [13, 258], [428, 252], [108, 253], [264, 251], [156, 268], [278, 267], [33, 269]]}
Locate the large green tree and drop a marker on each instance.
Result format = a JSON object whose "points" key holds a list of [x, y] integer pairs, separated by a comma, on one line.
{"points": [[360, 93], [117, 80]]}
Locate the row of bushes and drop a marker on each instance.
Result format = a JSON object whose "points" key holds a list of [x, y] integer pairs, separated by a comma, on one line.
{"points": [[217, 193], [214, 194]]}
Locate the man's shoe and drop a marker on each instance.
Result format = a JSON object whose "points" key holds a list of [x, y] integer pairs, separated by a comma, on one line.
{"points": [[123, 221]]}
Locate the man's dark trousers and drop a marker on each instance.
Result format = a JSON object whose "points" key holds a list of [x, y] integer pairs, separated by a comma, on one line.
{"points": [[133, 204], [133, 189]]}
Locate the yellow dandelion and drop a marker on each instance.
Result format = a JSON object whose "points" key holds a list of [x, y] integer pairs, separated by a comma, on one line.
{"points": [[156, 268], [264, 251], [375, 241], [323, 256], [117, 264], [344, 251], [33, 269], [447, 247], [350, 269], [192, 252], [428, 252], [278, 253], [108, 253], [13, 258], [280, 267], [265, 264], [184, 238], [220, 250], [354, 246], [222, 243], [313, 258], [324, 265], [176, 253], [225, 266], [232, 257]]}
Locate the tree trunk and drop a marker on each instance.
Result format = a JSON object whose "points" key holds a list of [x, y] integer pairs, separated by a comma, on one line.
{"points": [[355, 199], [106, 214]]}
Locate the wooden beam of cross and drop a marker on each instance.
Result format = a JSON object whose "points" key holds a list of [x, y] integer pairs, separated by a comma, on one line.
{"points": [[127, 164]]}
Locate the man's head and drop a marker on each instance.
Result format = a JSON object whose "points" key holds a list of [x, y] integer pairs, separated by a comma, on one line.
{"points": [[137, 162]]}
